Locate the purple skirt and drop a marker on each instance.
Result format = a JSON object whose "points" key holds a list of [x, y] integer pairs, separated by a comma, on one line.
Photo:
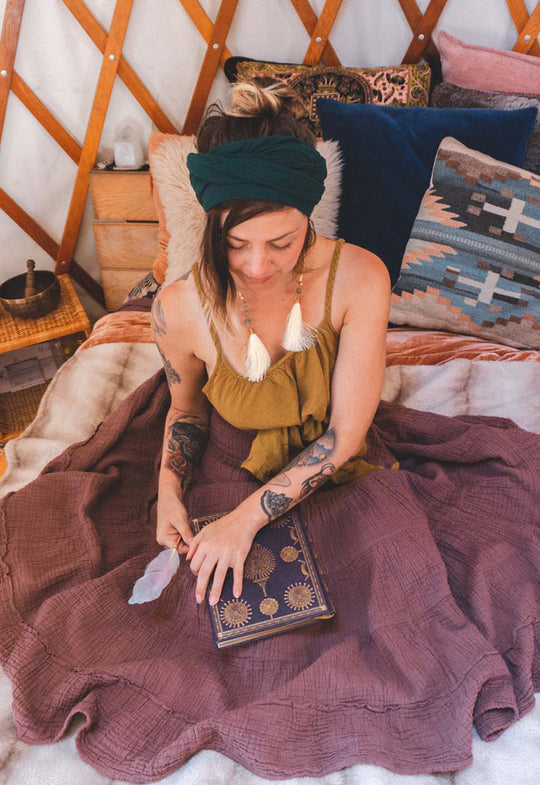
{"points": [[433, 570]]}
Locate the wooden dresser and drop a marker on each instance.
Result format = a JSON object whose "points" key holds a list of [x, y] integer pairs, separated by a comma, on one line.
{"points": [[125, 228]]}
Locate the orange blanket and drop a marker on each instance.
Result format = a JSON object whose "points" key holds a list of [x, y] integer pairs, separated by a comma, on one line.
{"points": [[405, 346]]}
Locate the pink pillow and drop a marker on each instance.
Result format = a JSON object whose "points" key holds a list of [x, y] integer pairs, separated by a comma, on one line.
{"points": [[482, 68]]}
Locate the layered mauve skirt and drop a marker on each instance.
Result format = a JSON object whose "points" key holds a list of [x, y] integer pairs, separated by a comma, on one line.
{"points": [[433, 569]]}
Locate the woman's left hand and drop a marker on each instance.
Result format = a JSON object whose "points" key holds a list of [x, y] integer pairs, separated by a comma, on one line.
{"points": [[221, 544]]}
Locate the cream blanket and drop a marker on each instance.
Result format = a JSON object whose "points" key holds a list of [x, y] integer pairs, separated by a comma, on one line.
{"points": [[91, 384]]}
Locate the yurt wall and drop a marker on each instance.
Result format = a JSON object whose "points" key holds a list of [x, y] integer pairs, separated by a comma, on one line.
{"points": [[74, 71]]}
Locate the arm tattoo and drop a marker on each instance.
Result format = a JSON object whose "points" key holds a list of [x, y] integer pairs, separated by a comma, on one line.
{"points": [[160, 328], [158, 318], [173, 377], [317, 452], [281, 480], [275, 504], [186, 443], [314, 455], [317, 479]]}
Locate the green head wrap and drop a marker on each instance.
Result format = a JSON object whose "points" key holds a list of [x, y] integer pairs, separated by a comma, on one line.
{"points": [[276, 168]]}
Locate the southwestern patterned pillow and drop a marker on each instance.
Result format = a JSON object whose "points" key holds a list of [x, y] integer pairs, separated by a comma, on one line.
{"points": [[398, 85], [472, 264]]}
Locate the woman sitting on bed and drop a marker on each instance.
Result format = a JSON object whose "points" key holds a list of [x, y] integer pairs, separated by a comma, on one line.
{"points": [[426, 527], [416, 522], [248, 344]]}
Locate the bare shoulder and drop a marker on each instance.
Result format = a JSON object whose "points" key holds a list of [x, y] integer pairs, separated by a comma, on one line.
{"points": [[359, 267], [176, 310], [362, 284]]}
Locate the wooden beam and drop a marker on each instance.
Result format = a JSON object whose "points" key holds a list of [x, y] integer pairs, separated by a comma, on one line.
{"points": [[27, 224], [210, 65], [528, 35], [9, 39], [94, 130], [322, 30], [309, 20], [49, 122], [203, 23], [422, 32], [413, 15], [98, 35], [520, 17]]}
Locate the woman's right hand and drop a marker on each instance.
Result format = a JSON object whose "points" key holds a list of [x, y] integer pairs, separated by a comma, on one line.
{"points": [[172, 521]]}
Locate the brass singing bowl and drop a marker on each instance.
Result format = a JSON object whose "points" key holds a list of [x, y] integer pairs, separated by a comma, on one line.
{"points": [[43, 302]]}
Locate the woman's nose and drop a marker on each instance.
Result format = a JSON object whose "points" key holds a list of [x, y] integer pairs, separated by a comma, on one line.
{"points": [[257, 261]]}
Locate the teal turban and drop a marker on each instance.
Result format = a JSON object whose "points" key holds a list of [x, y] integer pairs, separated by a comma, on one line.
{"points": [[276, 168]]}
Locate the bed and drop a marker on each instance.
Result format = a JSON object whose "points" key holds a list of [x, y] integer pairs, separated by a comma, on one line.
{"points": [[428, 368]]}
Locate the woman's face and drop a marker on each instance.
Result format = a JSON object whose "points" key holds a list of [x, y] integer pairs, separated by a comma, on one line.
{"points": [[265, 249]]}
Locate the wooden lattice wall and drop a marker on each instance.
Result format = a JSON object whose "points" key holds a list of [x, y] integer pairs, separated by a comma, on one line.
{"points": [[114, 65]]}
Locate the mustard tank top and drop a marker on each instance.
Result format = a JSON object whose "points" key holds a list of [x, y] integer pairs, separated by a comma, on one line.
{"points": [[290, 407]]}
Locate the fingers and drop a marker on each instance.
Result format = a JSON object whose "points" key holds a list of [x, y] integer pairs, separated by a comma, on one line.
{"points": [[193, 545], [217, 583], [238, 575], [202, 579]]}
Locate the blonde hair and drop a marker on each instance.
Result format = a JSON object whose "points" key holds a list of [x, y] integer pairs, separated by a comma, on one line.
{"points": [[249, 99]]}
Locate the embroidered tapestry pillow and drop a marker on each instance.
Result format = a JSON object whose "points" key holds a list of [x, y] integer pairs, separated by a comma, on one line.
{"points": [[389, 154], [472, 264], [181, 217], [397, 85], [482, 68], [448, 95]]}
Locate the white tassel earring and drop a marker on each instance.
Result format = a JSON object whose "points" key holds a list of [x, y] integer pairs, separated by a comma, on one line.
{"points": [[257, 360], [298, 336]]}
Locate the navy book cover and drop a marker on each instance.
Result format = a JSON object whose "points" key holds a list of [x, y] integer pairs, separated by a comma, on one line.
{"points": [[282, 587]]}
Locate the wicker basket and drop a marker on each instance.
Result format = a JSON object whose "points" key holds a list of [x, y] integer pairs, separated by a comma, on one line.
{"points": [[18, 409], [69, 317]]}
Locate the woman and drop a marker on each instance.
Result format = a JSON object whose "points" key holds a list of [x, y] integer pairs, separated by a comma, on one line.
{"points": [[426, 527], [256, 251]]}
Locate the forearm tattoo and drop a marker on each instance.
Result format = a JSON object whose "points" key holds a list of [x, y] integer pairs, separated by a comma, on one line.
{"points": [[185, 445], [317, 452], [275, 504], [317, 479]]}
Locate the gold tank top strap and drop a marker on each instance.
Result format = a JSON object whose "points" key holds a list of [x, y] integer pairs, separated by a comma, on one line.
{"points": [[204, 304], [331, 279]]}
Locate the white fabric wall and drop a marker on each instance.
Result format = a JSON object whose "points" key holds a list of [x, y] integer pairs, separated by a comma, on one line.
{"points": [[61, 64]]}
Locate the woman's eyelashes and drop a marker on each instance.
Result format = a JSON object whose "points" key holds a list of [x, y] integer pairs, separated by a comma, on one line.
{"points": [[274, 247]]}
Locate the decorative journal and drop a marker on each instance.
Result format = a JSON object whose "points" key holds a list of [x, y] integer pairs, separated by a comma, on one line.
{"points": [[282, 588]]}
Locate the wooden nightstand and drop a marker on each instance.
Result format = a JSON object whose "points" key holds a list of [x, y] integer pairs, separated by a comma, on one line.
{"points": [[68, 324], [125, 229]]}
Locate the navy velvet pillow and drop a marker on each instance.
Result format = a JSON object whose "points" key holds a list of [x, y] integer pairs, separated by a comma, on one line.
{"points": [[389, 153]]}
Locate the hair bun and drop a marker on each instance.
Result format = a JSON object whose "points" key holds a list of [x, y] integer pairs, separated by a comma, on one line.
{"points": [[263, 96]]}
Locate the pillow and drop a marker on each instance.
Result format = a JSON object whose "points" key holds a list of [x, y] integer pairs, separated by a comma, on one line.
{"points": [[449, 95], [181, 217], [482, 68], [396, 85], [472, 265], [389, 154]]}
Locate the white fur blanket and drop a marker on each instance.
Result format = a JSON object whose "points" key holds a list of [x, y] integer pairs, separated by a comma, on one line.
{"points": [[91, 385]]}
